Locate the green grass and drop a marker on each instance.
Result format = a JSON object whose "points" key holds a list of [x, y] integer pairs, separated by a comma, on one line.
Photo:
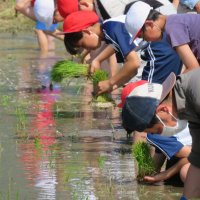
{"points": [[12, 23], [145, 163]]}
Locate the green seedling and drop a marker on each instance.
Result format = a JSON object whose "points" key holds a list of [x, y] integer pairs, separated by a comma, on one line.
{"points": [[145, 163], [5, 100], [101, 161], [101, 75], [68, 69], [21, 118]]}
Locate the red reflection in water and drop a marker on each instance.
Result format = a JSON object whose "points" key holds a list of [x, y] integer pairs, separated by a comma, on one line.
{"points": [[36, 152]]}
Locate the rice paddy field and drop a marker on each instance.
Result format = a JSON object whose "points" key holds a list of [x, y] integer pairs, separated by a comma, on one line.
{"points": [[54, 143]]}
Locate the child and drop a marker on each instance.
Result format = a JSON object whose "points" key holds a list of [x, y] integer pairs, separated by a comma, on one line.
{"points": [[151, 24], [176, 149], [164, 108], [44, 30], [170, 147], [89, 33]]}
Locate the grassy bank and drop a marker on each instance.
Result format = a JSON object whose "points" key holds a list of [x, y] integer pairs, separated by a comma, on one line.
{"points": [[10, 22]]}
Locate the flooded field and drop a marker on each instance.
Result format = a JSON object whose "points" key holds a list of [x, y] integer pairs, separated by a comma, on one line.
{"points": [[54, 145]]}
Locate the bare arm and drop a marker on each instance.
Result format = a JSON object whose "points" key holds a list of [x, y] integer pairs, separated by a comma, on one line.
{"points": [[128, 71], [167, 173], [105, 54], [187, 56]]}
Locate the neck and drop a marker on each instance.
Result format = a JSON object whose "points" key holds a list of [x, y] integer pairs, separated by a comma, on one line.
{"points": [[161, 22], [98, 30]]}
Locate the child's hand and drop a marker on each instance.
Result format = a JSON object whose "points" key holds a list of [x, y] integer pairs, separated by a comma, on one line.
{"points": [[95, 65], [103, 86]]}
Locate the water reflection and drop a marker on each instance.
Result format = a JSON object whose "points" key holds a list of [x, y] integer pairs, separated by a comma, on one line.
{"points": [[66, 149]]}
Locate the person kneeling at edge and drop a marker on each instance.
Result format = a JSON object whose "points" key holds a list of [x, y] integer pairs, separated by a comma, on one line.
{"points": [[152, 107]]}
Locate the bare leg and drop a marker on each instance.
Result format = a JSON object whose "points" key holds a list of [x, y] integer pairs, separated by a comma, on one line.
{"points": [[51, 43], [192, 186], [184, 152], [184, 171], [159, 159], [42, 41]]}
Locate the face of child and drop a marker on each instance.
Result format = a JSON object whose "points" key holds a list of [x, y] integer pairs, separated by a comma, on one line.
{"points": [[89, 41], [151, 32]]}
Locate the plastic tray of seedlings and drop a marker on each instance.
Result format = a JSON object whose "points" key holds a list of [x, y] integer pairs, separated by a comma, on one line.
{"points": [[69, 69], [145, 163]]}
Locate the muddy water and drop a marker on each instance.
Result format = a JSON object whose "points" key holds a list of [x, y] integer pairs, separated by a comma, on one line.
{"points": [[53, 144]]}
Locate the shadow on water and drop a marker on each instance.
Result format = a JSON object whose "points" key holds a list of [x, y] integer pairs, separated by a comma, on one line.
{"points": [[53, 143]]}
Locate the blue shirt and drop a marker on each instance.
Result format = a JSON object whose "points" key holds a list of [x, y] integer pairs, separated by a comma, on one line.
{"points": [[116, 34], [161, 60], [160, 57]]}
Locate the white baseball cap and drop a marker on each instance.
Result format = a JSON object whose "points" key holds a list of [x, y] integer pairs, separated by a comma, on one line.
{"points": [[136, 17], [44, 10]]}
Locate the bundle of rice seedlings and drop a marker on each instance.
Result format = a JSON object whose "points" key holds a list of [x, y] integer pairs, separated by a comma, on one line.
{"points": [[68, 69], [145, 163], [101, 75]]}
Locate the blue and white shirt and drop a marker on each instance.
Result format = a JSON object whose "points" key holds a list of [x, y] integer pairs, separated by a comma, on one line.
{"points": [[160, 57], [161, 60], [116, 34]]}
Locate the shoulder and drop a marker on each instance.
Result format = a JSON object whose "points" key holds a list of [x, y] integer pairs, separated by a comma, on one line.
{"points": [[114, 25]]}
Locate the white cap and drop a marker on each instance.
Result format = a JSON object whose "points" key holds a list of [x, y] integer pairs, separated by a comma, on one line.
{"points": [[136, 17], [44, 10]]}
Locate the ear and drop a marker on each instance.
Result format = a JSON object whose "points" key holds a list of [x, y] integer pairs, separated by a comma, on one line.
{"points": [[86, 31], [149, 24], [162, 108]]}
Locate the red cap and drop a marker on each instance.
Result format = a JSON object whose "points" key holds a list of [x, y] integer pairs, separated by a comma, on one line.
{"points": [[77, 21], [65, 7], [128, 89]]}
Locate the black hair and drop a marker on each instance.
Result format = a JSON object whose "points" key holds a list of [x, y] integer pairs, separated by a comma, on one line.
{"points": [[153, 121], [153, 3], [70, 41], [153, 15]]}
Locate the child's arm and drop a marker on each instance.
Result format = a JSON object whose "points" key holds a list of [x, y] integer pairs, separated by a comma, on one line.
{"points": [[106, 53], [187, 56], [167, 173], [128, 71]]}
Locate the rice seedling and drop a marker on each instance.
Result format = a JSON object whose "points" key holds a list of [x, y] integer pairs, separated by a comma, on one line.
{"points": [[68, 69], [100, 75], [145, 163], [101, 161]]}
